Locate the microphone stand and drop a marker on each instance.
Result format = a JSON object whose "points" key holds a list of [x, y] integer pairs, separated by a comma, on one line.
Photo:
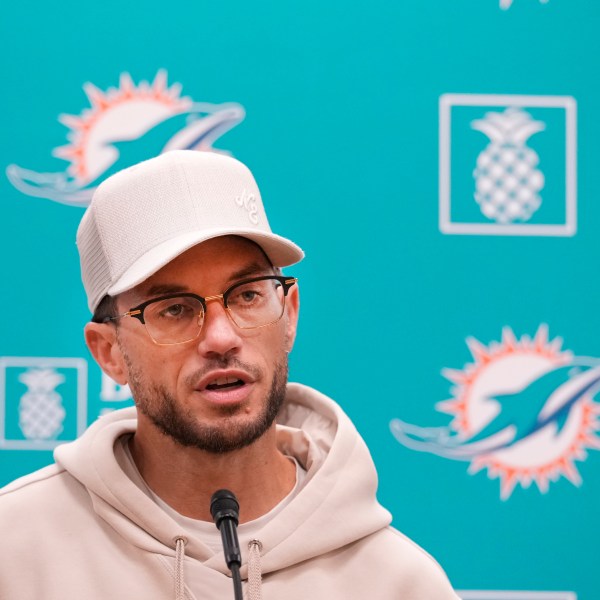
{"points": [[225, 511]]}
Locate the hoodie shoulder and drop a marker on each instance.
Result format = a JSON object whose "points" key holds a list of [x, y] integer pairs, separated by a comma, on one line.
{"points": [[421, 575], [31, 479], [44, 506], [40, 496]]}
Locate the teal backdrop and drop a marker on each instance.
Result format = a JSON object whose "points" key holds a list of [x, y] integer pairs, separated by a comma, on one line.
{"points": [[437, 161]]}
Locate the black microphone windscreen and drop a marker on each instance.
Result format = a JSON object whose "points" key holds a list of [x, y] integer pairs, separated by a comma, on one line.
{"points": [[224, 504]]}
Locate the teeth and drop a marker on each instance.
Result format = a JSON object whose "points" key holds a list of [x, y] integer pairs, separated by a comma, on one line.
{"points": [[224, 380], [221, 382]]}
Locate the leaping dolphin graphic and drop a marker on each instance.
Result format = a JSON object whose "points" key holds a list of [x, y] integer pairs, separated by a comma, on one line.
{"points": [[195, 129], [546, 401]]}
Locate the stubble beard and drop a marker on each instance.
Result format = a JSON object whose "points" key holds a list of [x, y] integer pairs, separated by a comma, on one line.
{"points": [[233, 431]]}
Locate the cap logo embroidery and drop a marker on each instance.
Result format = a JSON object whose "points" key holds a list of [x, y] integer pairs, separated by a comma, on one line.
{"points": [[248, 201]]}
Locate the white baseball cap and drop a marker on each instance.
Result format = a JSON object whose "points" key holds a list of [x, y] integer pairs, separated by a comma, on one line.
{"points": [[143, 217]]}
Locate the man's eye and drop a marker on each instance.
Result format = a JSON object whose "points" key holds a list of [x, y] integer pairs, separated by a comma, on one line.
{"points": [[176, 311], [244, 297], [248, 295]]}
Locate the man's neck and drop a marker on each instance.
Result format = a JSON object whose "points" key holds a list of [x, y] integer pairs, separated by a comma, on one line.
{"points": [[185, 477]]}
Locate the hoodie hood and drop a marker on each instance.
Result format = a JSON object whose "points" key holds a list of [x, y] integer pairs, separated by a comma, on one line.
{"points": [[337, 497]]}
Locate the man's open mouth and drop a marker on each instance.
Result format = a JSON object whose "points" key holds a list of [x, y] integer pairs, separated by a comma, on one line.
{"points": [[224, 383]]}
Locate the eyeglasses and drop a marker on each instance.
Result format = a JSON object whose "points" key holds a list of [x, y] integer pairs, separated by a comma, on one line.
{"points": [[178, 318]]}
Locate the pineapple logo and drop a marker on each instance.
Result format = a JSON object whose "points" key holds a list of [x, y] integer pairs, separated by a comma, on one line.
{"points": [[507, 181], [41, 412], [495, 189]]}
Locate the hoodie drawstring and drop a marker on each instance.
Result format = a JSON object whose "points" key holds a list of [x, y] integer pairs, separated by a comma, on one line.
{"points": [[254, 573], [179, 556], [254, 570]]}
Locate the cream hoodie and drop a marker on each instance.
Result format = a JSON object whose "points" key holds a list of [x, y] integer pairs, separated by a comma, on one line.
{"points": [[83, 529]]}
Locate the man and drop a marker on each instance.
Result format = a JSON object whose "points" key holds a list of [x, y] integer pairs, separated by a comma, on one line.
{"points": [[182, 274]]}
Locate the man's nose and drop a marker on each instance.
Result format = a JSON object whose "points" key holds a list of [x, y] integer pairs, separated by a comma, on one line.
{"points": [[219, 335]]}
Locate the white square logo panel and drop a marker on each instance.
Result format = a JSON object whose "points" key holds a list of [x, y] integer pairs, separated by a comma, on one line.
{"points": [[508, 165], [43, 401]]}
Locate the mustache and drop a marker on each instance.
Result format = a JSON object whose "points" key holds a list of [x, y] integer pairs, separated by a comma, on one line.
{"points": [[223, 363]]}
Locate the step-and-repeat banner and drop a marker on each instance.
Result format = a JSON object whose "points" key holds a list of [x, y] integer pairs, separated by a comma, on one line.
{"points": [[437, 160]]}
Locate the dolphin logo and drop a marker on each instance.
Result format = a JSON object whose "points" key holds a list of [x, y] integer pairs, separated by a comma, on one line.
{"points": [[194, 129], [546, 402]]}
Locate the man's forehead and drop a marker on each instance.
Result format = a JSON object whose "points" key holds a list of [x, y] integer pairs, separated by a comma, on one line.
{"points": [[226, 258]]}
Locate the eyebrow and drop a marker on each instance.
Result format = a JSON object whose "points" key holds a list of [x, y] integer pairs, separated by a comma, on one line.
{"points": [[252, 269], [162, 289]]}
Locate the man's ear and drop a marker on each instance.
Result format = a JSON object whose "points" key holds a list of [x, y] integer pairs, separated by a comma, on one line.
{"points": [[101, 339], [292, 308]]}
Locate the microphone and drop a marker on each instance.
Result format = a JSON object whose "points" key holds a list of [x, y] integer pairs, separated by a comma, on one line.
{"points": [[225, 511]]}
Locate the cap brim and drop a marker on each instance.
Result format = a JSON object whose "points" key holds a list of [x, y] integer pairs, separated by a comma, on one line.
{"points": [[280, 251]]}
